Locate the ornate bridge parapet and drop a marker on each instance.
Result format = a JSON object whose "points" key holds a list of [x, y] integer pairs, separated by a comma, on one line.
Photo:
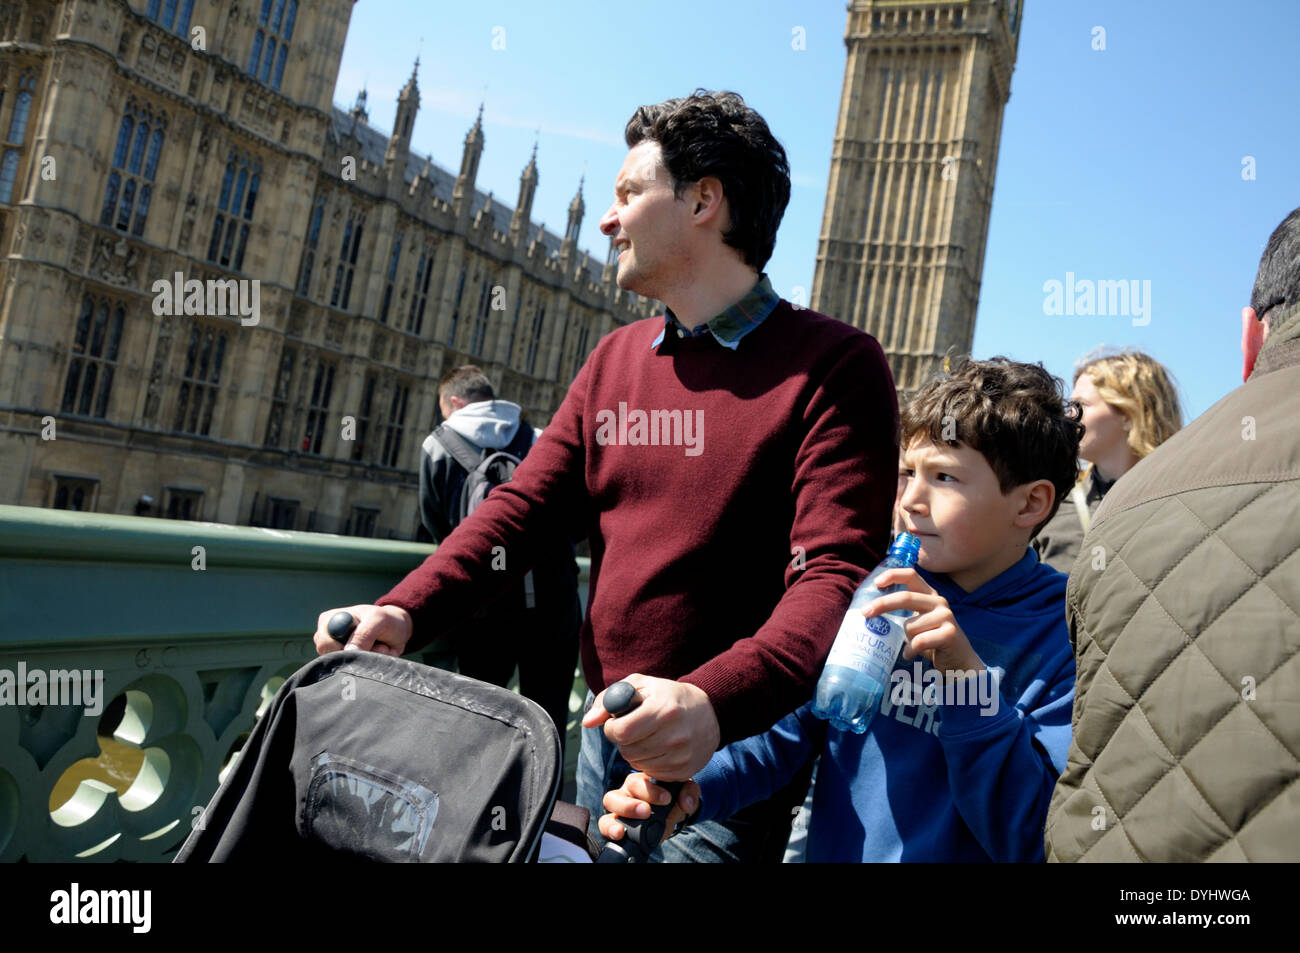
{"points": [[135, 656]]}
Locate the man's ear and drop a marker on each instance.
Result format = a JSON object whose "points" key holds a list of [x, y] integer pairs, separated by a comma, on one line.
{"points": [[1035, 501], [708, 198], [1252, 339]]}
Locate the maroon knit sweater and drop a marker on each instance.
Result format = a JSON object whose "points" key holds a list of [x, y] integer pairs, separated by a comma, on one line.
{"points": [[724, 548]]}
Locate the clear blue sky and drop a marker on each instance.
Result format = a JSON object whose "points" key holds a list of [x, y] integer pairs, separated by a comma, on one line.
{"points": [[1117, 164]]}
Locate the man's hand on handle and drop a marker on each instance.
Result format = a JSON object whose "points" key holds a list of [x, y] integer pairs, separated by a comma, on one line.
{"points": [[382, 629], [670, 736]]}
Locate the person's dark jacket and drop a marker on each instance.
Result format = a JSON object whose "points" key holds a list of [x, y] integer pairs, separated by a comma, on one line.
{"points": [[1057, 543]]}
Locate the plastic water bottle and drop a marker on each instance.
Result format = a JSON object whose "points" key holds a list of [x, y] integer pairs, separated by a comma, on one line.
{"points": [[865, 650]]}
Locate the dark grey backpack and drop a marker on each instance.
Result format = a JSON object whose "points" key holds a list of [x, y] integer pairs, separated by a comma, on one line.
{"points": [[484, 469]]}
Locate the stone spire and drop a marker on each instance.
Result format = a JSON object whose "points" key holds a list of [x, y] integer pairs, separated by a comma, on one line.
{"points": [[527, 190], [576, 209], [464, 190], [408, 104]]}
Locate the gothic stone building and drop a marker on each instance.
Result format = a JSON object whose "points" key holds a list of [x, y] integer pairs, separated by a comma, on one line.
{"points": [[196, 141], [901, 250]]}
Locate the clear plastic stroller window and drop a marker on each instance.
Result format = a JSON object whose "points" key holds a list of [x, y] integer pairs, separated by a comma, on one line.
{"points": [[358, 809]]}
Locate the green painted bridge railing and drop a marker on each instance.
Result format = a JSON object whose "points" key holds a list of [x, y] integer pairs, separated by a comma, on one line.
{"points": [[135, 656]]}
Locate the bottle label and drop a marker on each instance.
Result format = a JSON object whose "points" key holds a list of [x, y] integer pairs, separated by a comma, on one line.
{"points": [[867, 645]]}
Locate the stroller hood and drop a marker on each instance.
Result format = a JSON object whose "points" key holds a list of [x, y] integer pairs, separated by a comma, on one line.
{"points": [[367, 757]]}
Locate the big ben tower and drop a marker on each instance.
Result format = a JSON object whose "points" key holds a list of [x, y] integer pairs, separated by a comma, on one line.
{"points": [[902, 242]]}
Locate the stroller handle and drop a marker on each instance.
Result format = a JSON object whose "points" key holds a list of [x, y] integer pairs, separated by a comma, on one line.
{"points": [[641, 835], [340, 626]]}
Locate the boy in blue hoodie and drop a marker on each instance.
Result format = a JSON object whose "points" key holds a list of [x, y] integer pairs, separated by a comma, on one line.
{"points": [[960, 761]]}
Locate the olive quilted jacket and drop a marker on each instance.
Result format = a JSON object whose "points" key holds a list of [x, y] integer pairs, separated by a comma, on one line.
{"points": [[1184, 610]]}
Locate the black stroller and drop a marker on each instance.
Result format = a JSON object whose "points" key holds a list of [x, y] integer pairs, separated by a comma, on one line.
{"points": [[363, 756], [367, 757]]}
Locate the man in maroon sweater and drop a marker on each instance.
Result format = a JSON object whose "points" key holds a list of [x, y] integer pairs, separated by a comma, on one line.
{"points": [[733, 463]]}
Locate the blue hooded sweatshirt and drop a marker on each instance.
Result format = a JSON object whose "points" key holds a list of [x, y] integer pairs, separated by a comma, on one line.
{"points": [[936, 777]]}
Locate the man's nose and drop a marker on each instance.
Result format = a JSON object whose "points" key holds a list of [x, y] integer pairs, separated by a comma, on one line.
{"points": [[609, 222]]}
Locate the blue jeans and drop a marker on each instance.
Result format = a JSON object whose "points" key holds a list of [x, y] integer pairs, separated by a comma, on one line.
{"points": [[737, 839]]}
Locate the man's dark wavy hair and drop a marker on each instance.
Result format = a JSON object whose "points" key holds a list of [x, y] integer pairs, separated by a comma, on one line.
{"points": [[1016, 415], [716, 134]]}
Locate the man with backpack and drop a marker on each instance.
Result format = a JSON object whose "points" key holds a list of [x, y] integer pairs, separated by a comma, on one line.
{"points": [[534, 624]]}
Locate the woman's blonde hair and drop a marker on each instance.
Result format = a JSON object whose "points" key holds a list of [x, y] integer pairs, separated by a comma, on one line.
{"points": [[1140, 388]]}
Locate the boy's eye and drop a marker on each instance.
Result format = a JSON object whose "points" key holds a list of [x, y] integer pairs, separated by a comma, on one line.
{"points": [[947, 476]]}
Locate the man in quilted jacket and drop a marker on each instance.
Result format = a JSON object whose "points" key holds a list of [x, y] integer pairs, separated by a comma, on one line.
{"points": [[1184, 610]]}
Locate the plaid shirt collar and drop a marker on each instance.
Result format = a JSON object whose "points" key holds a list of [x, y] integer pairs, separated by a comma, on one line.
{"points": [[732, 324]]}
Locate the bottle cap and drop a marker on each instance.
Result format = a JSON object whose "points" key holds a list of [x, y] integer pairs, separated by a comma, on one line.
{"points": [[906, 547]]}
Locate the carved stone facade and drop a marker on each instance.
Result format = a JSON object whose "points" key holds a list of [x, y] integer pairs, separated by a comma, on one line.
{"points": [[911, 185], [221, 292]]}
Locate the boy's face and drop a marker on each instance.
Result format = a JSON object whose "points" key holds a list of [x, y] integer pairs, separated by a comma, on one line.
{"points": [[949, 497]]}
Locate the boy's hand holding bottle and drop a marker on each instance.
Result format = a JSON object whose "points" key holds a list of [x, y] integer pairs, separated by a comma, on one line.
{"points": [[932, 630]]}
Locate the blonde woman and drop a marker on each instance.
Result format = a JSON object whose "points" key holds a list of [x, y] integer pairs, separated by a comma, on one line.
{"points": [[1130, 407]]}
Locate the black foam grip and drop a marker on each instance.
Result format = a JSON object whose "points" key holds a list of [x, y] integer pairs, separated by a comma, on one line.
{"points": [[621, 698], [340, 626]]}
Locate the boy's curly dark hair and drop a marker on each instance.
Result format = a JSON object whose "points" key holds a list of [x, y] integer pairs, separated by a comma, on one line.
{"points": [[1017, 415], [716, 134]]}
